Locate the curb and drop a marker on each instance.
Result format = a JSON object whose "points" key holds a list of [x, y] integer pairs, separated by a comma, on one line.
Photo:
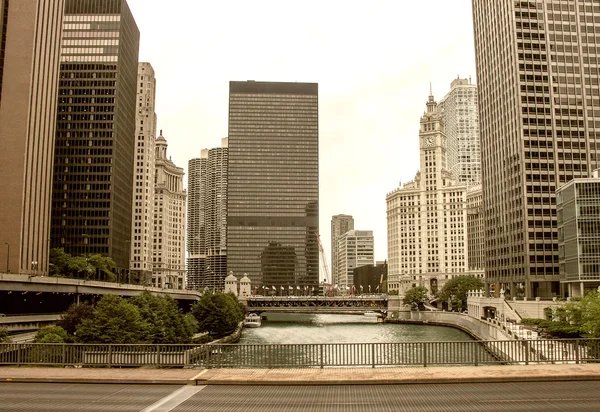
{"points": [[100, 381]]}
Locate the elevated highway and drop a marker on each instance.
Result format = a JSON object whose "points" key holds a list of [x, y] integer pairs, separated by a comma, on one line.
{"points": [[42, 295]]}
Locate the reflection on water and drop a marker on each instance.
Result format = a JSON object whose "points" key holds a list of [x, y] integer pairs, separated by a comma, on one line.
{"points": [[325, 328]]}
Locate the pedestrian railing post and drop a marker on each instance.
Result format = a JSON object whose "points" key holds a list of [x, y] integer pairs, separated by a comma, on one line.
{"points": [[577, 352], [526, 352], [109, 360], [476, 349], [64, 354], [269, 357], [424, 344], [158, 355], [372, 355], [321, 356]]}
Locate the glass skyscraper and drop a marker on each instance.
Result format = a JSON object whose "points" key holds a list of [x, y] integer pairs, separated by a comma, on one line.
{"points": [[95, 130], [273, 183], [538, 68]]}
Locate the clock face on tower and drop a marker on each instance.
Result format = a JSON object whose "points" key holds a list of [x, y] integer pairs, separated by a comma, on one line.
{"points": [[429, 141]]}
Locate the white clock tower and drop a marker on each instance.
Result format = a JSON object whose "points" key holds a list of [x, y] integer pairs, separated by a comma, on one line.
{"points": [[427, 218]]}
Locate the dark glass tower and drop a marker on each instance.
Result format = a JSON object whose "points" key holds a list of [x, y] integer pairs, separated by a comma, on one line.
{"points": [[273, 183], [95, 133]]}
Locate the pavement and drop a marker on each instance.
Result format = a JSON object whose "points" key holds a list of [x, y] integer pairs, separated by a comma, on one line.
{"points": [[304, 377]]}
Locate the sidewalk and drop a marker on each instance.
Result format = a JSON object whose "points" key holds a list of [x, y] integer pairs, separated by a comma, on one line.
{"points": [[341, 376]]}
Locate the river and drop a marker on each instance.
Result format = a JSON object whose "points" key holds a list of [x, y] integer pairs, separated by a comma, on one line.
{"points": [[325, 328]]}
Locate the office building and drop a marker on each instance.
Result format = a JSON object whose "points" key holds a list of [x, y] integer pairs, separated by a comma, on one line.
{"points": [[340, 224], [475, 228], [461, 123], [427, 217], [273, 180], [29, 69], [95, 131], [537, 70], [370, 278], [355, 249], [142, 228], [169, 221], [578, 219], [207, 219]]}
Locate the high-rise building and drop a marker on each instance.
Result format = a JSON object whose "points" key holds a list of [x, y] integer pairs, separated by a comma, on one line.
{"points": [[427, 218], [169, 220], [355, 249], [95, 133], [537, 69], [340, 224], [273, 180], [142, 228], [207, 219], [461, 123], [29, 66], [578, 217], [475, 228]]}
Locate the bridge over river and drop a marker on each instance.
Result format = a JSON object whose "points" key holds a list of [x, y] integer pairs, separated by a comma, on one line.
{"points": [[317, 304]]}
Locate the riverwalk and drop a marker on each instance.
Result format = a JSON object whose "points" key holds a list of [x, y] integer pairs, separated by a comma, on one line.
{"points": [[305, 376]]}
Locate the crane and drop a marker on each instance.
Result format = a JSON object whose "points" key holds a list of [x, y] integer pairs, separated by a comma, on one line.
{"points": [[323, 260]]}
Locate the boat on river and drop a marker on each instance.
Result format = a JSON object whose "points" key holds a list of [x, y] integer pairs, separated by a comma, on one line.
{"points": [[252, 321], [372, 314]]}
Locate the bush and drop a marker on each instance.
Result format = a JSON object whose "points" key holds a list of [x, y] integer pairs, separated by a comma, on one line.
{"points": [[218, 313], [4, 338], [51, 334]]}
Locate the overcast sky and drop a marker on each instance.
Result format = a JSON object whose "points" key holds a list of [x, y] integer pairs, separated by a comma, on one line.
{"points": [[373, 61]]}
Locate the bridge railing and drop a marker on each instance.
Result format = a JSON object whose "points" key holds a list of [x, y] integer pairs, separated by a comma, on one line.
{"points": [[541, 351]]}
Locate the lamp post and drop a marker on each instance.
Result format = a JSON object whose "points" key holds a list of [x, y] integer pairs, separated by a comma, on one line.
{"points": [[7, 256]]}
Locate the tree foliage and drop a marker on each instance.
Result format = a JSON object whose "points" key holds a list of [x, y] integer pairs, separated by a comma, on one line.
{"points": [[456, 289], [74, 316], [415, 297], [94, 266], [218, 313], [51, 334], [164, 321], [114, 321], [4, 338]]}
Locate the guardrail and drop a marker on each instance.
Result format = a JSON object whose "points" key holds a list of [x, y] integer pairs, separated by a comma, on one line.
{"points": [[306, 355]]}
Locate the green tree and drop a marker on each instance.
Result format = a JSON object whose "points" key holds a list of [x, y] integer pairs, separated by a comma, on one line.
{"points": [[59, 262], [51, 334], [456, 289], [115, 321], [103, 266], [164, 321], [218, 313], [94, 266], [4, 338], [76, 313], [415, 297]]}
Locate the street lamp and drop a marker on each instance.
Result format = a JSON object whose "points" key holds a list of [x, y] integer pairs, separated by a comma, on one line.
{"points": [[34, 266], [7, 256]]}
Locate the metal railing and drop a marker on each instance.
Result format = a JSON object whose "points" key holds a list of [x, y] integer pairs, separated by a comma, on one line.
{"points": [[541, 351]]}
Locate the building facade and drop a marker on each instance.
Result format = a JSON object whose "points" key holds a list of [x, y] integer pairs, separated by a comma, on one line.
{"points": [[537, 69], [169, 221], [340, 224], [370, 278], [142, 227], [461, 121], [207, 219], [475, 228], [273, 180], [355, 249], [427, 218], [578, 219], [29, 71], [95, 131]]}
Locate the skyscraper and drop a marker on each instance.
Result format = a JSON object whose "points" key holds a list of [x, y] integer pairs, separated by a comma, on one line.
{"points": [[340, 224], [29, 68], [207, 219], [427, 218], [461, 124], [539, 93], [169, 220], [355, 248], [273, 194], [95, 130], [142, 228]]}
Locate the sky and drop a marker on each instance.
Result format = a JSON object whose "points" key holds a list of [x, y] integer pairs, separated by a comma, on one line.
{"points": [[373, 60]]}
